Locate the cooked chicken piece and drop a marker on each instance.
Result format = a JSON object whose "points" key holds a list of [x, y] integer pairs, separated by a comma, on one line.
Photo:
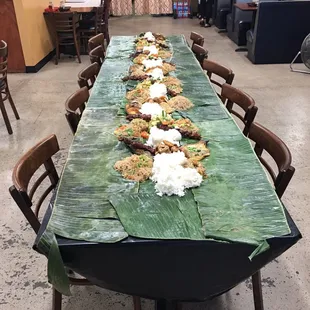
{"points": [[196, 151]]}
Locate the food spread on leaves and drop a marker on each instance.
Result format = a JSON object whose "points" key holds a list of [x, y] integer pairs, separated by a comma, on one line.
{"points": [[152, 133]]}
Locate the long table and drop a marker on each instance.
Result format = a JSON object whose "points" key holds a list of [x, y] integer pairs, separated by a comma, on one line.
{"points": [[162, 269]]}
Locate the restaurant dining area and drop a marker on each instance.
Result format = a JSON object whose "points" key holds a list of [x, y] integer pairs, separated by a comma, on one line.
{"points": [[153, 156]]}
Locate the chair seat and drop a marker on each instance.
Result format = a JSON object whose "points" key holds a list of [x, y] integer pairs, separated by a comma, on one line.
{"points": [[88, 29]]}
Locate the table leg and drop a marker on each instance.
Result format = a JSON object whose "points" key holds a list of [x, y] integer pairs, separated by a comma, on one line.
{"points": [[165, 305]]}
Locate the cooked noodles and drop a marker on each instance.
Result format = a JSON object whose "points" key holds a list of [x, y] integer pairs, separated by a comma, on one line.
{"points": [[136, 167]]}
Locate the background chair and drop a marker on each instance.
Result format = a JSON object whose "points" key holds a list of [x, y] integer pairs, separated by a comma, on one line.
{"points": [[214, 68], [200, 53], [75, 106], [103, 24], [197, 39], [97, 55], [4, 86], [230, 96], [87, 76], [267, 141], [91, 27], [95, 41], [65, 27]]}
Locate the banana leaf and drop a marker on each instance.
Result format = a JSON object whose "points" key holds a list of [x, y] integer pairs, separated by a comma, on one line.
{"points": [[152, 217]]}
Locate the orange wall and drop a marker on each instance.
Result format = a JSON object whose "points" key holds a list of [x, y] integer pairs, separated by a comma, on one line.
{"points": [[35, 38]]}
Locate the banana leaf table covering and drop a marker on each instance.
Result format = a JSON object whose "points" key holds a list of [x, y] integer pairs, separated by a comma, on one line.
{"points": [[210, 240]]}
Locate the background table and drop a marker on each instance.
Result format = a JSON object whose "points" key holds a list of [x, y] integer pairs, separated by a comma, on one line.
{"points": [[162, 270], [245, 7]]}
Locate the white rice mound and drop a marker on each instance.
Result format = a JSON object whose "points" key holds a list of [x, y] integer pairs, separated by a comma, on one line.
{"points": [[158, 135], [150, 108], [171, 177], [158, 90], [156, 74], [149, 36], [152, 63]]}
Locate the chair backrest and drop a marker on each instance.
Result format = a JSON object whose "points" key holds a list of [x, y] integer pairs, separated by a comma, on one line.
{"points": [[230, 96], [23, 172], [97, 40], [200, 53], [266, 140], [99, 18], [97, 55], [3, 60], [214, 68], [197, 39], [75, 106], [106, 10], [87, 76], [65, 22]]}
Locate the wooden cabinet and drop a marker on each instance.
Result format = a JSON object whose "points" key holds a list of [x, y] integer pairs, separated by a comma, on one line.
{"points": [[9, 32]]}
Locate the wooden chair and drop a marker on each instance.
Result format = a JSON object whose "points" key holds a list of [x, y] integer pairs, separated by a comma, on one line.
{"points": [[197, 39], [87, 76], [103, 23], [65, 27], [200, 53], [4, 86], [97, 55], [41, 154], [267, 141], [95, 41], [214, 68], [90, 27], [75, 106], [100, 23], [230, 96]]}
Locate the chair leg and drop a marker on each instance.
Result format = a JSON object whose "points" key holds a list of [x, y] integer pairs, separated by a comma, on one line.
{"points": [[77, 47], [136, 302], [12, 103], [5, 116], [257, 291], [57, 53], [57, 297]]}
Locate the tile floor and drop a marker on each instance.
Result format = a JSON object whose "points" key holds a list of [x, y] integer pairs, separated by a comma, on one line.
{"points": [[284, 107]]}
